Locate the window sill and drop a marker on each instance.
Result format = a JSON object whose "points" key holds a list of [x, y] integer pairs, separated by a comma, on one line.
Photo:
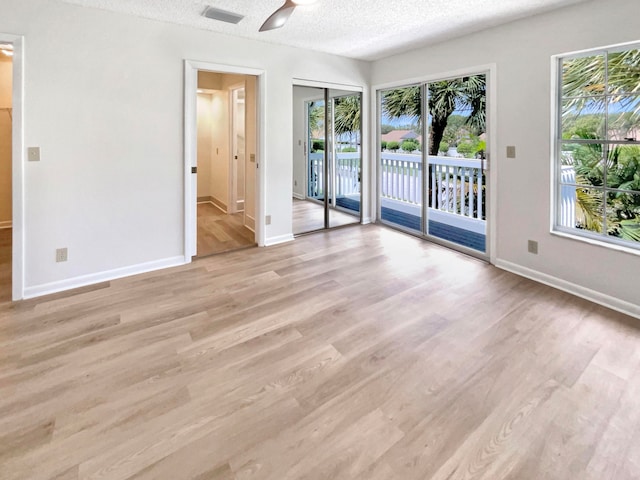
{"points": [[598, 243]]}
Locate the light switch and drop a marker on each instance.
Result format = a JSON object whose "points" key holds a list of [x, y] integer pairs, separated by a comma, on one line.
{"points": [[33, 154], [511, 152]]}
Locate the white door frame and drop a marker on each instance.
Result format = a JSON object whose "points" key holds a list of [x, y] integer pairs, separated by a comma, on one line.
{"points": [[191, 68], [17, 165]]}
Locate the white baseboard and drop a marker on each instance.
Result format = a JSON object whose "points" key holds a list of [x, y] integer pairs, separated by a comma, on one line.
{"points": [[608, 301], [5, 224], [299, 196], [366, 220], [84, 280], [277, 240], [250, 223], [220, 204]]}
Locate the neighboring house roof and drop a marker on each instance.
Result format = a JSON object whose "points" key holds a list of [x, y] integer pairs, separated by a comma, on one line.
{"points": [[401, 135], [624, 134]]}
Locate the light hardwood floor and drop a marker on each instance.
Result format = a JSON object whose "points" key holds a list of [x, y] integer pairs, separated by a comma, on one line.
{"points": [[219, 232], [358, 353], [309, 216]]}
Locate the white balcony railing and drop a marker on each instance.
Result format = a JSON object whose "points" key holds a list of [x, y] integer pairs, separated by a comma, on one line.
{"points": [[347, 175], [567, 196], [456, 183]]}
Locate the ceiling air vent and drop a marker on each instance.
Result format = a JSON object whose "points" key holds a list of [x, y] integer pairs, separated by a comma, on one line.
{"points": [[222, 15]]}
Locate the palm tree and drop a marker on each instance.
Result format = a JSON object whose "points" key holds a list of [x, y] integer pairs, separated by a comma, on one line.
{"points": [[347, 114], [316, 116], [445, 97], [588, 85], [586, 80]]}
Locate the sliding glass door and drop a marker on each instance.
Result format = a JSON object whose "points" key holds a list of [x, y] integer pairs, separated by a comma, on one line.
{"points": [[401, 159], [432, 150], [327, 159]]}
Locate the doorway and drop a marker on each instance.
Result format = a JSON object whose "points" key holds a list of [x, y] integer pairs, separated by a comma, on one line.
{"points": [[327, 158], [432, 167], [6, 190], [226, 130]]}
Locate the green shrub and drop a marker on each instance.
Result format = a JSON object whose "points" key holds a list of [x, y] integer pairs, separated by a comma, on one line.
{"points": [[409, 146], [393, 146], [349, 150], [444, 147], [383, 145], [317, 146], [466, 149]]}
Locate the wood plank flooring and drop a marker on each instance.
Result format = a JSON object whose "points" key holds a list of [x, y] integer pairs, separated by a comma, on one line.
{"points": [[358, 353], [219, 232]]}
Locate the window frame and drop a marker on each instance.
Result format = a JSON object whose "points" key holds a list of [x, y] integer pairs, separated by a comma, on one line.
{"points": [[557, 142]]}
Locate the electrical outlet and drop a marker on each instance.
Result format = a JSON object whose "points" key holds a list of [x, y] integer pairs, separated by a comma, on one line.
{"points": [[61, 254], [33, 154], [267, 220], [532, 247], [511, 152]]}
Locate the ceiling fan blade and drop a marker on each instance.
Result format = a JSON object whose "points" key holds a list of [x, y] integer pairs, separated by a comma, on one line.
{"points": [[279, 17]]}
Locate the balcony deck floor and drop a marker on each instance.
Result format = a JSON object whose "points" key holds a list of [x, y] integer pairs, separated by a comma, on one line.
{"points": [[451, 233]]}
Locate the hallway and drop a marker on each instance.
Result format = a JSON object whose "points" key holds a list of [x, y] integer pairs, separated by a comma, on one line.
{"points": [[219, 232]]}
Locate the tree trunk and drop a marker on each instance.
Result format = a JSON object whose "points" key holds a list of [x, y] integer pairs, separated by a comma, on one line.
{"points": [[437, 132]]}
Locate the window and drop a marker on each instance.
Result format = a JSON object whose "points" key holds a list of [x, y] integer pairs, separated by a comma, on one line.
{"points": [[597, 155]]}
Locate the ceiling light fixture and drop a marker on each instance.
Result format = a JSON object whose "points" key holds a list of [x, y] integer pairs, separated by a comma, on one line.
{"points": [[281, 15]]}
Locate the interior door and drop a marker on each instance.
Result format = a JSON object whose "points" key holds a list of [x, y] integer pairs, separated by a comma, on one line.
{"points": [[237, 179], [327, 158], [345, 162], [308, 182]]}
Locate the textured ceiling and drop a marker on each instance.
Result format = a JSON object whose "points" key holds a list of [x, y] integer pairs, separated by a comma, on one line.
{"points": [[363, 29]]}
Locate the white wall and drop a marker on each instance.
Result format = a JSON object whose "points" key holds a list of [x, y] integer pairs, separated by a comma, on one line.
{"points": [[104, 101], [522, 51], [5, 140]]}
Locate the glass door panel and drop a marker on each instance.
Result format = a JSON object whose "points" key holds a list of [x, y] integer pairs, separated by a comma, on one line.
{"points": [[345, 157], [308, 159], [401, 159], [455, 158]]}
